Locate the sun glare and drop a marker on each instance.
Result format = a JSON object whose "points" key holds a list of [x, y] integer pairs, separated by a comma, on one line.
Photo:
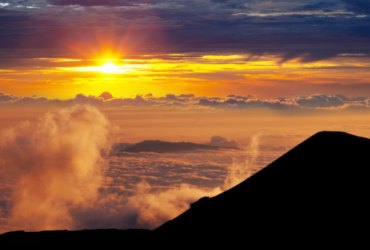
{"points": [[108, 68]]}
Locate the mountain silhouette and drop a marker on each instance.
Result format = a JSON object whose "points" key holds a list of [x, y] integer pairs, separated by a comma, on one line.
{"points": [[64, 239], [167, 147], [316, 195]]}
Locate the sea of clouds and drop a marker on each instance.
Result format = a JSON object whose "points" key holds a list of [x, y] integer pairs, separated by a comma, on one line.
{"points": [[61, 172]]}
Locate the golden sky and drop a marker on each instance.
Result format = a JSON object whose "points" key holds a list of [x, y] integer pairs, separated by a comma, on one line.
{"points": [[207, 75]]}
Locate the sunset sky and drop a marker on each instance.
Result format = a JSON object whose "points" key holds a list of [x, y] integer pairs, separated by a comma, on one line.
{"points": [[259, 75], [56, 48]]}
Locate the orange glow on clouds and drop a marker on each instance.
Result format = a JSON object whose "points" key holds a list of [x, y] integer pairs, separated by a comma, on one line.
{"points": [[208, 75]]}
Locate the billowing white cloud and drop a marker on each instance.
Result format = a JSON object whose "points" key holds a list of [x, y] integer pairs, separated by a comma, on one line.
{"points": [[54, 164]]}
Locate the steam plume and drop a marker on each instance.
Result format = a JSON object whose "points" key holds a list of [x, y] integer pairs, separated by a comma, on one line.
{"points": [[238, 172]]}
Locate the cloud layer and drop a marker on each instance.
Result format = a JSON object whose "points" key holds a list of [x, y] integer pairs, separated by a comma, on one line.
{"points": [[187, 101], [56, 174]]}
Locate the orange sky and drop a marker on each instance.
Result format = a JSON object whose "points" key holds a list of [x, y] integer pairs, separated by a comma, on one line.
{"points": [[261, 80], [202, 75]]}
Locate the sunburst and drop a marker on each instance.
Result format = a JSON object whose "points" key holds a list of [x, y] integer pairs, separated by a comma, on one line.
{"points": [[108, 68]]}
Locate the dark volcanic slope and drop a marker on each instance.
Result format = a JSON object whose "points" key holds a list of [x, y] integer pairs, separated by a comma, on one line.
{"points": [[316, 194], [317, 191], [91, 239], [166, 147]]}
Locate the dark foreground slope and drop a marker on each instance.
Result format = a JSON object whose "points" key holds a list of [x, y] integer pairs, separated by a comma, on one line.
{"points": [[168, 147], [315, 194], [91, 239]]}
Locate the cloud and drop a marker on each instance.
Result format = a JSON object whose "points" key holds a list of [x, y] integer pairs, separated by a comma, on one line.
{"points": [[171, 97], [89, 3], [7, 98], [312, 102], [244, 103], [222, 142], [321, 5], [219, 1], [206, 102], [54, 164], [205, 169], [118, 147], [287, 29], [320, 101], [145, 209], [171, 182], [58, 178], [358, 6], [274, 148], [186, 96], [106, 95], [283, 136]]}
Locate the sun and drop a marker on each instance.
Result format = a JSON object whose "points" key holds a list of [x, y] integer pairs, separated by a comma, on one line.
{"points": [[108, 68]]}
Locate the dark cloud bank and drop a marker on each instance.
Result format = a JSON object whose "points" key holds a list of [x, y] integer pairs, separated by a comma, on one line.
{"points": [[309, 30]]}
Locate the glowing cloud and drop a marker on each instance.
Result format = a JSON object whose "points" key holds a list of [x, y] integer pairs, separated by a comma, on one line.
{"points": [[54, 164]]}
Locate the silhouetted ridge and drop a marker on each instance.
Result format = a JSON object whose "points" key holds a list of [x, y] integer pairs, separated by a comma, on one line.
{"points": [[165, 147], [317, 192], [315, 195], [63, 239]]}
